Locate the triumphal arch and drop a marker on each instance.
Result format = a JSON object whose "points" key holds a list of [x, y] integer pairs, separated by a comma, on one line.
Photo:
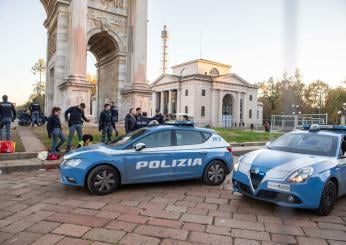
{"points": [[115, 31]]}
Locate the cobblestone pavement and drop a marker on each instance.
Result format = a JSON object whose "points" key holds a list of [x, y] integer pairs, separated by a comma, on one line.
{"points": [[35, 208]]}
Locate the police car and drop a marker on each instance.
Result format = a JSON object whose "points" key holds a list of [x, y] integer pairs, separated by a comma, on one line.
{"points": [[151, 154], [301, 169]]}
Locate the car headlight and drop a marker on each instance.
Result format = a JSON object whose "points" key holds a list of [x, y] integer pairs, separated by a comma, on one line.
{"points": [[300, 175], [72, 162]]}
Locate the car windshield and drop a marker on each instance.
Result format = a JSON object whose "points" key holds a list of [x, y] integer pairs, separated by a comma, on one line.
{"points": [[129, 137], [306, 143]]}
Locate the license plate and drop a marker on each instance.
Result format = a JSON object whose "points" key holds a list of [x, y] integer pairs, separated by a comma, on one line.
{"points": [[278, 186]]}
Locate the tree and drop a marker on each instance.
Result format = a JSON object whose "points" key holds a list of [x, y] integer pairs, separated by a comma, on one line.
{"points": [[269, 95], [39, 70], [334, 102], [315, 95], [92, 80]]}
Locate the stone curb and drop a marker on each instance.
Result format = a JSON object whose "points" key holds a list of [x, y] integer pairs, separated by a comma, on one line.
{"points": [[27, 165]]}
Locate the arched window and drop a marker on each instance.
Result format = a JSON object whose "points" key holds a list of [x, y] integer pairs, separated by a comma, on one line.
{"points": [[186, 109], [250, 114], [203, 92], [186, 92], [202, 111], [214, 72]]}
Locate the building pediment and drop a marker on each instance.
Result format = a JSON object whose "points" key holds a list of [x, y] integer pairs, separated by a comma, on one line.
{"points": [[234, 79], [164, 79]]}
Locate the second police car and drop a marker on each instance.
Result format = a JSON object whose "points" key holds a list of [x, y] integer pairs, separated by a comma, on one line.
{"points": [[301, 169], [151, 154]]}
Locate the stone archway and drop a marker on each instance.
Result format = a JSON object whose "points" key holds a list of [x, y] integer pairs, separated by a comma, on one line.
{"points": [[115, 31], [109, 62], [227, 111]]}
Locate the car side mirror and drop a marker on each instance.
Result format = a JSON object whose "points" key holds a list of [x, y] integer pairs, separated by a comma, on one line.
{"points": [[268, 143], [139, 146]]}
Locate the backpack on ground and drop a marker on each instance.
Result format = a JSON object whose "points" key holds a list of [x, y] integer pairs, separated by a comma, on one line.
{"points": [[7, 146]]}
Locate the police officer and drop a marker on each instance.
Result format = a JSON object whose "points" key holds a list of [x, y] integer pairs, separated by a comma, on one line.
{"points": [[158, 117], [115, 117], [7, 116], [105, 124], [35, 110], [143, 121], [138, 113], [75, 116]]}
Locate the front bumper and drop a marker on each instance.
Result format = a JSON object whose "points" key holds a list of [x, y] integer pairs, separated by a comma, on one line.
{"points": [[72, 176], [300, 195]]}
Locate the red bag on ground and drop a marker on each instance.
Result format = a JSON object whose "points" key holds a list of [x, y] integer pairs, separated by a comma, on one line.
{"points": [[7, 146], [53, 156]]}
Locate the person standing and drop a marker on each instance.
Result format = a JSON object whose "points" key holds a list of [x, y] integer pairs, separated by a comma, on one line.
{"points": [[7, 116], [138, 113], [54, 130], [115, 117], [158, 117], [130, 121], [105, 124], [75, 116], [35, 110], [143, 121]]}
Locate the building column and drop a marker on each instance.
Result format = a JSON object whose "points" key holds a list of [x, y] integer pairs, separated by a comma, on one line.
{"points": [[162, 101], [219, 116], [154, 102], [213, 108], [178, 101], [170, 101], [237, 109]]}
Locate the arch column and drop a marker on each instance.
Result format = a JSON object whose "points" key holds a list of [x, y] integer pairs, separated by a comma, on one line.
{"points": [[75, 88]]}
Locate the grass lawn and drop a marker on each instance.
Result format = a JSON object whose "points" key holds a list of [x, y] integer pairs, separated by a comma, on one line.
{"points": [[41, 133], [240, 136], [15, 137]]}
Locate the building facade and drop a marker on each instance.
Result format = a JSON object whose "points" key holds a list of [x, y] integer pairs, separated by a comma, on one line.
{"points": [[210, 93], [115, 31]]}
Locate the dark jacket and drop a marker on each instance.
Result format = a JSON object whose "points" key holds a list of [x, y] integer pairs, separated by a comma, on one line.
{"points": [[105, 119], [35, 107], [24, 116], [142, 122], [130, 123], [115, 114], [76, 116], [53, 122], [7, 110], [159, 118]]}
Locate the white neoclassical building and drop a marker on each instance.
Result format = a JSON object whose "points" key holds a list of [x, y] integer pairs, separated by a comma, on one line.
{"points": [[209, 92]]}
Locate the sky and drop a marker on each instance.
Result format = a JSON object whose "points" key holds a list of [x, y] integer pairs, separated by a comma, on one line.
{"points": [[259, 39]]}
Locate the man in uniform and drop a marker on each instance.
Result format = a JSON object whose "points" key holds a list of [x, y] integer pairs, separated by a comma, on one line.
{"points": [[75, 116], [105, 124], [35, 110], [7, 116], [158, 117]]}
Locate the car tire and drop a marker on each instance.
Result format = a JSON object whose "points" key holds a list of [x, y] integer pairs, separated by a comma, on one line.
{"points": [[103, 180], [328, 199], [215, 173]]}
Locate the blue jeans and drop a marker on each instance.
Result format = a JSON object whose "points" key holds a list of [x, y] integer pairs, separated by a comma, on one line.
{"points": [[72, 130], [57, 134], [7, 124], [107, 131], [35, 118]]}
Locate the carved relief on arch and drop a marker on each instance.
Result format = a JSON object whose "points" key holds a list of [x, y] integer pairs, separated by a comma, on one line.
{"points": [[52, 42], [108, 5]]}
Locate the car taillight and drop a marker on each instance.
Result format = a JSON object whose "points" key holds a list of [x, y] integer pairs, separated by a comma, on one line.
{"points": [[229, 148]]}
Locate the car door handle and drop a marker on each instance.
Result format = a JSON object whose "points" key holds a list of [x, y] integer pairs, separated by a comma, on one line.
{"points": [[168, 154], [204, 152]]}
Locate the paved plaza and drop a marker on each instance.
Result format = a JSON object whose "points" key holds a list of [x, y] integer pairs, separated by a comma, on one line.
{"points": [[36, 209]]}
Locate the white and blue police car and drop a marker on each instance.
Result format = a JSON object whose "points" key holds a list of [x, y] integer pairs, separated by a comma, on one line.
{"points": [[152, 154], [301, 169]]}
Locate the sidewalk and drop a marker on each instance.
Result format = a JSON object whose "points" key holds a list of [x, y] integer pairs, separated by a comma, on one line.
{"points": [[30, 141]]}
